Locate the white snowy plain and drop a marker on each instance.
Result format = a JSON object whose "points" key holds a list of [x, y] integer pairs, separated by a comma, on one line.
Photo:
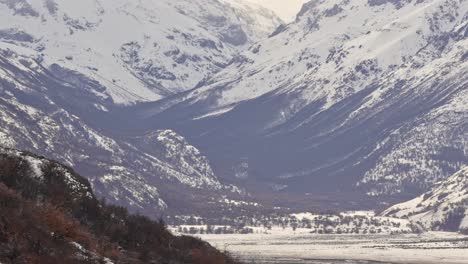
{"points": [[427, 248]]}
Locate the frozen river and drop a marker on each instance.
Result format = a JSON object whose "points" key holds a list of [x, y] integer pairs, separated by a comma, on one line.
{"points": [[297, 248]]}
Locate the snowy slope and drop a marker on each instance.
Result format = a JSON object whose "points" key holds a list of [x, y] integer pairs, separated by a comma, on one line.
{"points": [[50, 116], [359, 94], [336, 48], [445, 207], [137, 50]]}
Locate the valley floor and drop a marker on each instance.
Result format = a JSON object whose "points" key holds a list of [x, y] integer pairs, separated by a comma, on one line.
{"points": [[428, 248]]}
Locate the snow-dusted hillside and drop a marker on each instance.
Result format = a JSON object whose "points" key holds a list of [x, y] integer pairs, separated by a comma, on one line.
{"points": [[367, 94], [137, 50], [42, 172], [445, 207]]}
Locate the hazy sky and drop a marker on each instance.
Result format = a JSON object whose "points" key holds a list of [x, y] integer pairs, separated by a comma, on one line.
{"points": [[286, 9]]}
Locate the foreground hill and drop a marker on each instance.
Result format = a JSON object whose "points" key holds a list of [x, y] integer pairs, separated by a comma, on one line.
{"points": [[49, 214], [445, 207]]}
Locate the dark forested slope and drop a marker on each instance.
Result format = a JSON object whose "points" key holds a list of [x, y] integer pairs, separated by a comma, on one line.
{"points": [[49, 214]]}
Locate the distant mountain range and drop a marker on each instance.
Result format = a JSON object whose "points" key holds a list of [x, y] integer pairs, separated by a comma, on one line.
{"points": [[181, 107]]}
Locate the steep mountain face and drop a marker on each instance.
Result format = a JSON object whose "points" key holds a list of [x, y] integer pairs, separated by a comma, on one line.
{"points": [[51, 116], [444, 207], [360, 95], [137, 50]]}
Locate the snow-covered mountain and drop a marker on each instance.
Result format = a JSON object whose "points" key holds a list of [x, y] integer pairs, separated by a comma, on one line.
{"points": [[358, 94], [445, 207], [137, 50], [55, 117], [156, 103], [336, 49], [66, 67]]}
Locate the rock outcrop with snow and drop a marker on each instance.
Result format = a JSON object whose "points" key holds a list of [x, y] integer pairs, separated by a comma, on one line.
{"points": [[445, 207]]}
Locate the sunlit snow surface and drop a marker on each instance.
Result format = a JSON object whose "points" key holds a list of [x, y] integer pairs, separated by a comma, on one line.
{"points": [[286, 9]]}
